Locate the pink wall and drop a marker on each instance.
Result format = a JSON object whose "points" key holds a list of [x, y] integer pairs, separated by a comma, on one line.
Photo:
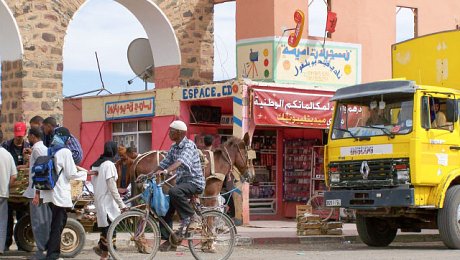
{"points": [[73, 116]]}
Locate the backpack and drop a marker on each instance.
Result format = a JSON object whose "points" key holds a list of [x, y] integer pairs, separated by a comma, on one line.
{"points": [[45, 175]]}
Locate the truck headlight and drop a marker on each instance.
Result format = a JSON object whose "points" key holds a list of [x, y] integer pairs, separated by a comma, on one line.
{"points": [[335, 177], [403, 176]]}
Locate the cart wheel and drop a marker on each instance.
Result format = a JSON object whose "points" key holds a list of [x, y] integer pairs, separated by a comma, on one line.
{"points": [[72, 238], [318, 207], [23, 234]]}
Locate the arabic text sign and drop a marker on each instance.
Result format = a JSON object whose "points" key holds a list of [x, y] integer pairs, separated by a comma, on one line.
{"points": [[299, 109], [337, 64], [130, 108]]}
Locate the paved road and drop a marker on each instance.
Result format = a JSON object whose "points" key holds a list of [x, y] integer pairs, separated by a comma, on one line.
{"points": [[417, 251]]}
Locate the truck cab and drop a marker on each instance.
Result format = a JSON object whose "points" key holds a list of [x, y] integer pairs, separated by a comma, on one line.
{"points": [[393, 155]]}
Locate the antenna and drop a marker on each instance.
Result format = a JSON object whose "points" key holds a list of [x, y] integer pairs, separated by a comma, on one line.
{"points": [[97, 90], [141, 61]]}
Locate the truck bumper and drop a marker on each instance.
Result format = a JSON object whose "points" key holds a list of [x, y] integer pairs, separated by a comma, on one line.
{"points": [[370, 199]]}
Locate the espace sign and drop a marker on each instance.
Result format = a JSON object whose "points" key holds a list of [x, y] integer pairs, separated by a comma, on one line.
{"points": [[209, 91]]}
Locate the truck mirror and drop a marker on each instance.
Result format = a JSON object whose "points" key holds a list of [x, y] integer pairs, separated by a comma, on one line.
{"points": [[451, 110]]}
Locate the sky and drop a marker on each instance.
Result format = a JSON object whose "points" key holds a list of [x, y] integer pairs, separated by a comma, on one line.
{"points": [[106, 27]]}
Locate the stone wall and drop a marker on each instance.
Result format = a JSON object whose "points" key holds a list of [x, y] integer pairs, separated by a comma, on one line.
{"points": [[33, 85], [193, 22]]}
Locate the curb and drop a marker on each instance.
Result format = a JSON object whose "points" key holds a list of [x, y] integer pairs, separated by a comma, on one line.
{"points": [[409, 238], [249, 241]]}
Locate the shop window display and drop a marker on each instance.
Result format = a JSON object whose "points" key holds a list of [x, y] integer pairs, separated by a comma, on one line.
{"points": [[137, 134], [262, 193]]}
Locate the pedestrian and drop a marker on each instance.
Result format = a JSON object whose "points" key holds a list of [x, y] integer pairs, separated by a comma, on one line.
{"points": [[17, 147], [184, 158], [8, 174], [49, 127], [36, 121], [208, 140], [123, 166], [60, 197], [40, 213], [106, 197]]}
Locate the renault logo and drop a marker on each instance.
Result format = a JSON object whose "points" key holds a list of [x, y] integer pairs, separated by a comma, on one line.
{"points": [[364, 170]]}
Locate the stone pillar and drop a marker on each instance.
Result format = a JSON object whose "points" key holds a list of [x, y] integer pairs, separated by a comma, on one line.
{"points": [[193, 22], [12, 96]]}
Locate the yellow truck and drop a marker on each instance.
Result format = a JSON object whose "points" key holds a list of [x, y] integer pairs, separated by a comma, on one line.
{"points": [[393, 150]]}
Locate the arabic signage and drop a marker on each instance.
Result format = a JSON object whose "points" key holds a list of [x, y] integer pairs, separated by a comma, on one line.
{"points": [[209, 91], [255, 60], [130, 108], [298, 109], [337, 64]]}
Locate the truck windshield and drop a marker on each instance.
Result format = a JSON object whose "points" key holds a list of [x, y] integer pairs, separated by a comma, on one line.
{"points": [[367, 117]]}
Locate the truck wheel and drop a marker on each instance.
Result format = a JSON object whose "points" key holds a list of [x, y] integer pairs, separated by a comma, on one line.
{"points": [[375, 231], [449, 217], [72, 238], [24, 236]]}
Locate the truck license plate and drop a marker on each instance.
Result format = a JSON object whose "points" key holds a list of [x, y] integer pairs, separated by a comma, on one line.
{"points": [[333, 203]]}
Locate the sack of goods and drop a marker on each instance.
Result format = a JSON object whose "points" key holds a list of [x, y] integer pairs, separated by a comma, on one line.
{"points": [[159, 201], [44, 170]]}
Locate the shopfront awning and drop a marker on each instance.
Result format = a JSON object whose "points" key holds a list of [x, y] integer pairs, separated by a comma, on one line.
{"points": [[293, 108]]}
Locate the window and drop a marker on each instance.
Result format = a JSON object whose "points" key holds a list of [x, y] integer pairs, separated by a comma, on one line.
{"points": [[317, 16], [137, 134], [406, 23]]}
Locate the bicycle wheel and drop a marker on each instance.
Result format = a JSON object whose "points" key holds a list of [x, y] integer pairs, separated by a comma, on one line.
{"points": [[130, 242], [213, 238], [318, 207]]}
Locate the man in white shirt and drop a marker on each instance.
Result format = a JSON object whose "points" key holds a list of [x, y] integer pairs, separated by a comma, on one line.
{"points": [[60, 197], [8, 174], [40, 213]]}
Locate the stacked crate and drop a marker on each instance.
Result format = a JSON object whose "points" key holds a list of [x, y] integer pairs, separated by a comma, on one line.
{"points": [[309, 224]]}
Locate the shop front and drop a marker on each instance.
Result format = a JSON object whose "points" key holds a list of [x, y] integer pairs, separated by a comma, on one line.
{"points": [[289, 131]]}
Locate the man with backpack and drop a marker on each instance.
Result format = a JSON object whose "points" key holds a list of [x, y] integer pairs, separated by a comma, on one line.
{"points": [[7, 176], [49, 127], [40, 213], [59, 197]]}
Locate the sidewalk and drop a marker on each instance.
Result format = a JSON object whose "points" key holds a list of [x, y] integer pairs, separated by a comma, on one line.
{"points": [[284, 232]]}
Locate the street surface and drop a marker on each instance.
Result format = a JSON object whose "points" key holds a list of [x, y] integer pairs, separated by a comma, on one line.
{"points": [[416, 251]]}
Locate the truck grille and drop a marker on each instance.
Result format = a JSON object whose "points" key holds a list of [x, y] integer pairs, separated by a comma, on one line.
{"points": [[382, 173]]}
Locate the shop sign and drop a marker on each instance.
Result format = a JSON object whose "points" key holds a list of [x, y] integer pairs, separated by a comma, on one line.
{"points": [[226, 120], [130, 108], [297, 109], [209, 91], [310, 63], [255, 60]]}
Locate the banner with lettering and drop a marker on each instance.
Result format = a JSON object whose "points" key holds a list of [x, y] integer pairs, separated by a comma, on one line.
{"points": [[130, 108], [335, 64], [291, 108]]}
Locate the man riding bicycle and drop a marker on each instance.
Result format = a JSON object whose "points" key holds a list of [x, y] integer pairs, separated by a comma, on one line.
{"points": [[183, 157]]}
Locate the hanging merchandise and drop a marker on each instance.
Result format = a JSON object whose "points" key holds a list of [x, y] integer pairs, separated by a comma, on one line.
{"points": [[331, 21]]}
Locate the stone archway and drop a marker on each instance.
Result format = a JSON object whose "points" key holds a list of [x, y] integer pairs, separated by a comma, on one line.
{"points": [[36, 77], [11, 52]]}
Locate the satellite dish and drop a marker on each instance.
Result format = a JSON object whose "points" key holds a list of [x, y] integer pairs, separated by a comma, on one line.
{"points": [[140, 59]]}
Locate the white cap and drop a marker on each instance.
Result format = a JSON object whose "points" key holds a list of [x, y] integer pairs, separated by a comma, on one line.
{"points": [[178, 125]]}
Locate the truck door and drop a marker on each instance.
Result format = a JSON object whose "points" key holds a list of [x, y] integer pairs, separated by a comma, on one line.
{"points": [[440, 146]]}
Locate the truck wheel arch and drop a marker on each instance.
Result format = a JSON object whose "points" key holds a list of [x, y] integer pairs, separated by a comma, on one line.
{"points": [[450, 179]]}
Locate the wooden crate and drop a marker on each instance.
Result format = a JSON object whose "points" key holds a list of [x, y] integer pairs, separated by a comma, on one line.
{"points": [[302, 209]]}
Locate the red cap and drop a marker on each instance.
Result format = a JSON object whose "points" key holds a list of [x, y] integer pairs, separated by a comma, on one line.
{"points": [[19, 129]]}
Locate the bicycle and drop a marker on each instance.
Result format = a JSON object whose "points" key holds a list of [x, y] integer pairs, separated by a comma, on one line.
{"points": [[138, 235]]}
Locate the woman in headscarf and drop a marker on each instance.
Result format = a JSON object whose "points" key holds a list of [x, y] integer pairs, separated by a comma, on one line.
{"points": [[107, 200]]}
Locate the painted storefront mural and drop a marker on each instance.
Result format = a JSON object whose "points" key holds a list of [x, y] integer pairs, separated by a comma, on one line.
{"points": [[336, 65], [255, 60]]}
